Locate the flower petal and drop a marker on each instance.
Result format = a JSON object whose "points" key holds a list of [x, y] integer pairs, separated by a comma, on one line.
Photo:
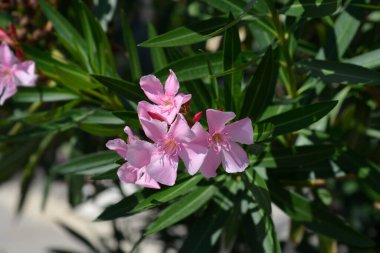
{"points": [[210, 163], [201, 136], [171, 84], [240, 131], [139, 153], [154, 129], [163, 168], [193, 156], [147, 181], [127, 173], [180, 130], [119, 146], [7, 57], [9, 89], [25, 73], [152, 88], [234, 160], [131, 137], [143, 108], [216, 119]]}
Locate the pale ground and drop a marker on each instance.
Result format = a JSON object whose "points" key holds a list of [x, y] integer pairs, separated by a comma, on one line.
{"points": [[36, 231]]}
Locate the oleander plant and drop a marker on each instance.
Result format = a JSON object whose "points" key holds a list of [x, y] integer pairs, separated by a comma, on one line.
{"points": [[215, 113]]}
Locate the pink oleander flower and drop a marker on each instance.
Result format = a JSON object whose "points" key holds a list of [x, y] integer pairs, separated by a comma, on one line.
{"points": [[167, 102], [179, 142], [14, 73], [138, 154], [222, 144]]}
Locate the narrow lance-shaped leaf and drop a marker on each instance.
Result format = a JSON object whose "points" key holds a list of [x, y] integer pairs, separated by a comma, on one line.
{"points": [[205, 232], [87, 162], [182, 208], [157, 54], [133, 56], [330, 71], [123, 89], [299, 118], [316, 217], [260, 90], [296, 156], [196, 66], [187, 35], [368, 60], [132, 204], [232, 59], [312, 8]]}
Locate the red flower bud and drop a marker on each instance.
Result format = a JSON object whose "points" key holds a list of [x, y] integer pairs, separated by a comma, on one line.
{"points": [[197, 117]]}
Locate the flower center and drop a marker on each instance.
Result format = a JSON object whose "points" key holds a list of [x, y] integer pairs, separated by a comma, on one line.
{"points": [[219, 141], [169, 146], [167, 104]]}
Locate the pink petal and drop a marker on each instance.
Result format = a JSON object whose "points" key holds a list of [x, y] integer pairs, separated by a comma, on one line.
{"points": [[25, 73], [163, 168], [119, 146], [127, 173], [186, 98], [180, 130], [169, 114], [147, 181], [192, 156], [216, 119], [143, 108], [210, 163], [240, 131], [8, 91], [234, 160], [7, 57], [152, 88], [154, 129], [131, 137], [139, 153], [201, 136], [171, 85]]}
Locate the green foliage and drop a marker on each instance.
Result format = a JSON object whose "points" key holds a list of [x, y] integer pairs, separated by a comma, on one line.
{"points": [[305, 73]]}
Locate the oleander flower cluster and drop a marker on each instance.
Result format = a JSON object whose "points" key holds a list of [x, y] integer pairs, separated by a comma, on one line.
{"points": [[13, 71], [173, 137]]}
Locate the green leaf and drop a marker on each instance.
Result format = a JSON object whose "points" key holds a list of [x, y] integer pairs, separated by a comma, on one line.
{"points": [[299, 118], [29, 170], [130, 44], [263, 132], [196, 66], [182, 208], [346, 27], [369, 60], [86, 242], [132, 204], [232, 59], [92, 163], [338, 72], [205, 232], [187, 35], [68, 35], [256, 184], [316, 217], [123, 89], [312, 8], [296, 156], [157, 54], [45, 95], [227, 6], [130, 118], [260, 90]]}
